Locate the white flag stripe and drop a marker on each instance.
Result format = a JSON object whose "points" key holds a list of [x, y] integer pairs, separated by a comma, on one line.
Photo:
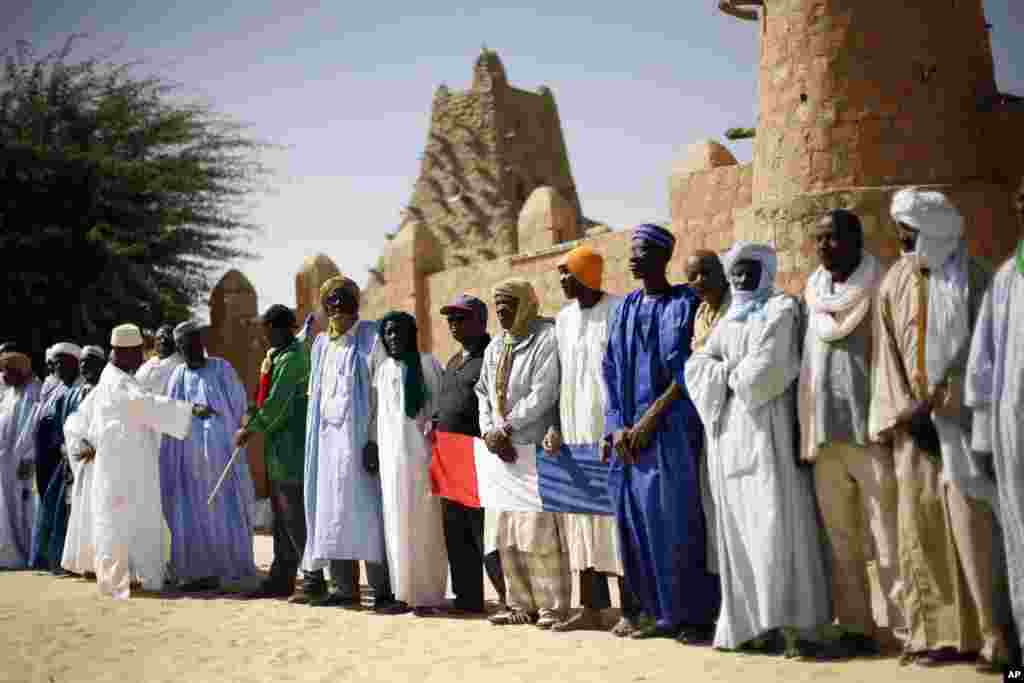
{"points": [[506, 486]]}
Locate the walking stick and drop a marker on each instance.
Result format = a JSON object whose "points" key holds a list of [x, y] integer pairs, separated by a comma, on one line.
{"points": [[223, 476]]}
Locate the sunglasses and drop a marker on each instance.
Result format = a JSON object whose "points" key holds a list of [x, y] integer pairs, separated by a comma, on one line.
{"points": [[340, 299]]}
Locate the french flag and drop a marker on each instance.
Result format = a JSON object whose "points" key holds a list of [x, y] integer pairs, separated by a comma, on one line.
{"points": [[575, 480]]}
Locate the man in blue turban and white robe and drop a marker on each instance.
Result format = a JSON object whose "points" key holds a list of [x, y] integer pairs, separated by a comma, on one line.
{"points": [[656, 438]]}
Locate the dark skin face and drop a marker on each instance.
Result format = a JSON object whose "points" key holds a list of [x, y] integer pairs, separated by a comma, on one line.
{"points": [[14, 377], [398, 337], [907, 236], [571, 287], [647, 261], [67, 368], [165, 341], [191, 349], [838, 249], [277, 337], [465, 328], [745, 275], [506, 309], [127, 359], [51, 367], [706, 276], [92, 367], [343, 308]]}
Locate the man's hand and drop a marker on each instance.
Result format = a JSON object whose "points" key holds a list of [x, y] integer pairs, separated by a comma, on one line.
{"points": [[914, 413], [203, 412], [605, 450], [242, 437], [948, 399], [622, 446], [498, 443], [87, 454], [552, 443], [642, 432], [25, 469], [371, 457]]}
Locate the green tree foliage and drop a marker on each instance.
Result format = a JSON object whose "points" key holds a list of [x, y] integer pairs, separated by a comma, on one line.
{"points": [[118, 198]]}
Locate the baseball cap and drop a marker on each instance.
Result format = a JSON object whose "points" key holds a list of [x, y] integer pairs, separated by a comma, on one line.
{"points": [[464, 303]]}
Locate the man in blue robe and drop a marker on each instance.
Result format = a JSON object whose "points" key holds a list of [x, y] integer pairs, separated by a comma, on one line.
{"points": [[209, 544], [52, 519], [655, 437]]}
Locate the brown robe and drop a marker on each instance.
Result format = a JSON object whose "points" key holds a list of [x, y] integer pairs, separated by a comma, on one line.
{"points": [[946, 540]]}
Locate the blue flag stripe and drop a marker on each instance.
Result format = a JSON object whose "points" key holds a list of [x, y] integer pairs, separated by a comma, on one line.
{"points": [[574, 481]]}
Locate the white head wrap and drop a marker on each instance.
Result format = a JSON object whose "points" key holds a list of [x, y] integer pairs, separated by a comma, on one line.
{"points": [[940, 224], [745, 303], [125, 336], [73, 350], [49, 354], [93, 352]]}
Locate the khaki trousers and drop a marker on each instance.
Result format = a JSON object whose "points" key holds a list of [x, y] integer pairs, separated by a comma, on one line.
{"points": [[857, 493]]}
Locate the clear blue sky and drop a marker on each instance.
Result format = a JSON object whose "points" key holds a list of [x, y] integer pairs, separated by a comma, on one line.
{"points": [[346, 88]]}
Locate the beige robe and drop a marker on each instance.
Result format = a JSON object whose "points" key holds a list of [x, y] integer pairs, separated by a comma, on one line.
{"points": [[946, 540]]}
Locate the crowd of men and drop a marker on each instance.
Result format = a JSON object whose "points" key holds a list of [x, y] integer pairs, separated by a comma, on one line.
{"points": [[763, 451]]}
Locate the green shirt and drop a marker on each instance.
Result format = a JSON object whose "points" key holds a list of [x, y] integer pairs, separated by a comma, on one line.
{"points": [[282, 417]]}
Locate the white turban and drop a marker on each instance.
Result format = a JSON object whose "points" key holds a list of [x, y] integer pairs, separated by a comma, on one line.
{"points": [[125, 336], [73, 350], [49, 354], [745, 303], [940, 225]]}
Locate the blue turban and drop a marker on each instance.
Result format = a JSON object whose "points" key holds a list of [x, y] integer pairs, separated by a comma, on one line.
{"points": [[656, 235]]}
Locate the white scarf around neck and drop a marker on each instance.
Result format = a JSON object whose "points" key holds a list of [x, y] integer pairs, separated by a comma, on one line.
{"points": [[837, 309]]}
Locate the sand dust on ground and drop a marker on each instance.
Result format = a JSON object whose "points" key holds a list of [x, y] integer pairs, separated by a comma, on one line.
{"points": [[59, 630]]}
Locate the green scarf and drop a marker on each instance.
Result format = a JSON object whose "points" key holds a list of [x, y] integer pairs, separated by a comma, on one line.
{"points": [[1020, 257], [414, 386]]}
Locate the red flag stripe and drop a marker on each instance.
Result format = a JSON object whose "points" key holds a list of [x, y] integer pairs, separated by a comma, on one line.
{"points": [[453, 469]]}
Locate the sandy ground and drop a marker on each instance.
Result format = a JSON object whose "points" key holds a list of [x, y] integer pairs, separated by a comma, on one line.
{"points": [[58, 630]]}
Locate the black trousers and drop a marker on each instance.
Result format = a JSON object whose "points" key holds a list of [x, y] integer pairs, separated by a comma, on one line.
{"points": [[595, 594], [464, 536], [286, 502]]}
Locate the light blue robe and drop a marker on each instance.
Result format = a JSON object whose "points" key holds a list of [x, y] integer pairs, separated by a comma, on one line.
{"points": [[205, 541], [344, 515], [19, 415]]}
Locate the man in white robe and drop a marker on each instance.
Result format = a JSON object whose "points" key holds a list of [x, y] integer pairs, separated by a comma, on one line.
{"points": [[743, 383], [408, 384], [119, 425], [79, 549], [19, 417], [581, 330], [995, 391], [155, 373]]}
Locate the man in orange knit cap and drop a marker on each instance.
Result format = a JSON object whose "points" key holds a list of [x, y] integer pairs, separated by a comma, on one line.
{"points": [[581, 329]]}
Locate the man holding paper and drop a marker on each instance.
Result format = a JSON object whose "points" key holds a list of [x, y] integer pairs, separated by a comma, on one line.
{"points": [[119, 426]]}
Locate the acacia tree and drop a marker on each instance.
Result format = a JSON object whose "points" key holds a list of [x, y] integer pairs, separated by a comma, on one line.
{"points": [[118, 198]]}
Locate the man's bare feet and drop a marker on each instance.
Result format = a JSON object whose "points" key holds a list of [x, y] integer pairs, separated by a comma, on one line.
{"points": [[587, 620], [624, 627]]}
